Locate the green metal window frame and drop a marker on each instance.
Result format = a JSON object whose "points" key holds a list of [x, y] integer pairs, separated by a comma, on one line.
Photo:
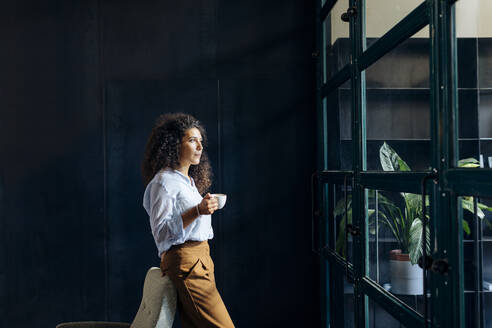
{"points": [[452, 181]]}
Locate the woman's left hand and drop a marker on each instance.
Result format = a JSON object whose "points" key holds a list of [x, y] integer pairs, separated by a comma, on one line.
{"points": [[208, 205]]}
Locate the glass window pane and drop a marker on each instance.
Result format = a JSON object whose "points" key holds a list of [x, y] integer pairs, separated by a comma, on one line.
{"points": [[342, 214], [398, 105], [382, 15], [474, 41], [379, 318], [336, 41], [337, 106], [393, 218], [477, 249], [341, 313]]}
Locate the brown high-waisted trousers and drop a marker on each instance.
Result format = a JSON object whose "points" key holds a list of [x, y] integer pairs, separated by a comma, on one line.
{"points": [[191, 269]]}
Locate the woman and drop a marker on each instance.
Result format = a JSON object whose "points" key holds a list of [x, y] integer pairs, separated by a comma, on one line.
{"points": [[176, 171]]}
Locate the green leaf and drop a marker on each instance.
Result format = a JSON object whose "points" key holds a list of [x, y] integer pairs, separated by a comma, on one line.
{"points": [[403, 166], [415, 248], [468, 162], [467, 204], [469, 165], [484, 207], [390, 161], [386, 154], [413, 202], [370, 213], [340, 206], [466, 227], [340, 245]]}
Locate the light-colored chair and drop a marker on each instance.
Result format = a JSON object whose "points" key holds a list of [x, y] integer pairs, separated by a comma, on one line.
{"points": [[157, 308]]}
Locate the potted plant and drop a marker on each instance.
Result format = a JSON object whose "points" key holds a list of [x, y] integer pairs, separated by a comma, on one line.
{"points": [[404, 222]]}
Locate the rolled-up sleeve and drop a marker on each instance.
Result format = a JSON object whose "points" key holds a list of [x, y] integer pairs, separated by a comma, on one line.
{"points": [[166, 223]]}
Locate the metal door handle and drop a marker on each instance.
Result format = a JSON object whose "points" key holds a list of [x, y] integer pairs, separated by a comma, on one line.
{"points": [[353, 229], [427, 264], [351, 12], [440, 266]]}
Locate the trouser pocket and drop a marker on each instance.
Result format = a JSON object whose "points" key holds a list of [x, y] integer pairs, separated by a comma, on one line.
{"points": [[196, 270]]}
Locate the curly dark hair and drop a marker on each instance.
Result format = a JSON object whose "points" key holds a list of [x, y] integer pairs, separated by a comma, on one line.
{"points": [[163, 146]]}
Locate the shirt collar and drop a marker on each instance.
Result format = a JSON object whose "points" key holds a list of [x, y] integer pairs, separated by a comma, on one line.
{"points": [[187, 180]]}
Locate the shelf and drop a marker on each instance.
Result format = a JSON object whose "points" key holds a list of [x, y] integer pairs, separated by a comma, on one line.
{"points": [[480, 291], [349, 290], [481, 91], [400, 91], [391, 139], [416, 139], [383, 240]]}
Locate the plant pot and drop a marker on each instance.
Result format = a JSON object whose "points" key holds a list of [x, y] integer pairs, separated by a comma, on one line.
{"points": [[406, 278]]}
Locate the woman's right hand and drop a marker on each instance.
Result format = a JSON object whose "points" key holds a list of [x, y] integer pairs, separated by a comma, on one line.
{"points": [[208, 205]]}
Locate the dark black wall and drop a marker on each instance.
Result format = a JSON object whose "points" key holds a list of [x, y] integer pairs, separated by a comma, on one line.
{"points": [[81, 84]]}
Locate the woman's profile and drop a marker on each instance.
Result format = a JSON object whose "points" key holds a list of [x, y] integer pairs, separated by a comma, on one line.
{"points": [[177, 173]]}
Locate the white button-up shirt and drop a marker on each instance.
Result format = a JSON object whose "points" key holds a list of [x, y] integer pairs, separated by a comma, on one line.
{"points": [[167, 196]]}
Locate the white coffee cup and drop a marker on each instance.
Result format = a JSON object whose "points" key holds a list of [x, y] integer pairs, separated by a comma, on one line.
{"points": [[221, 198]]}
